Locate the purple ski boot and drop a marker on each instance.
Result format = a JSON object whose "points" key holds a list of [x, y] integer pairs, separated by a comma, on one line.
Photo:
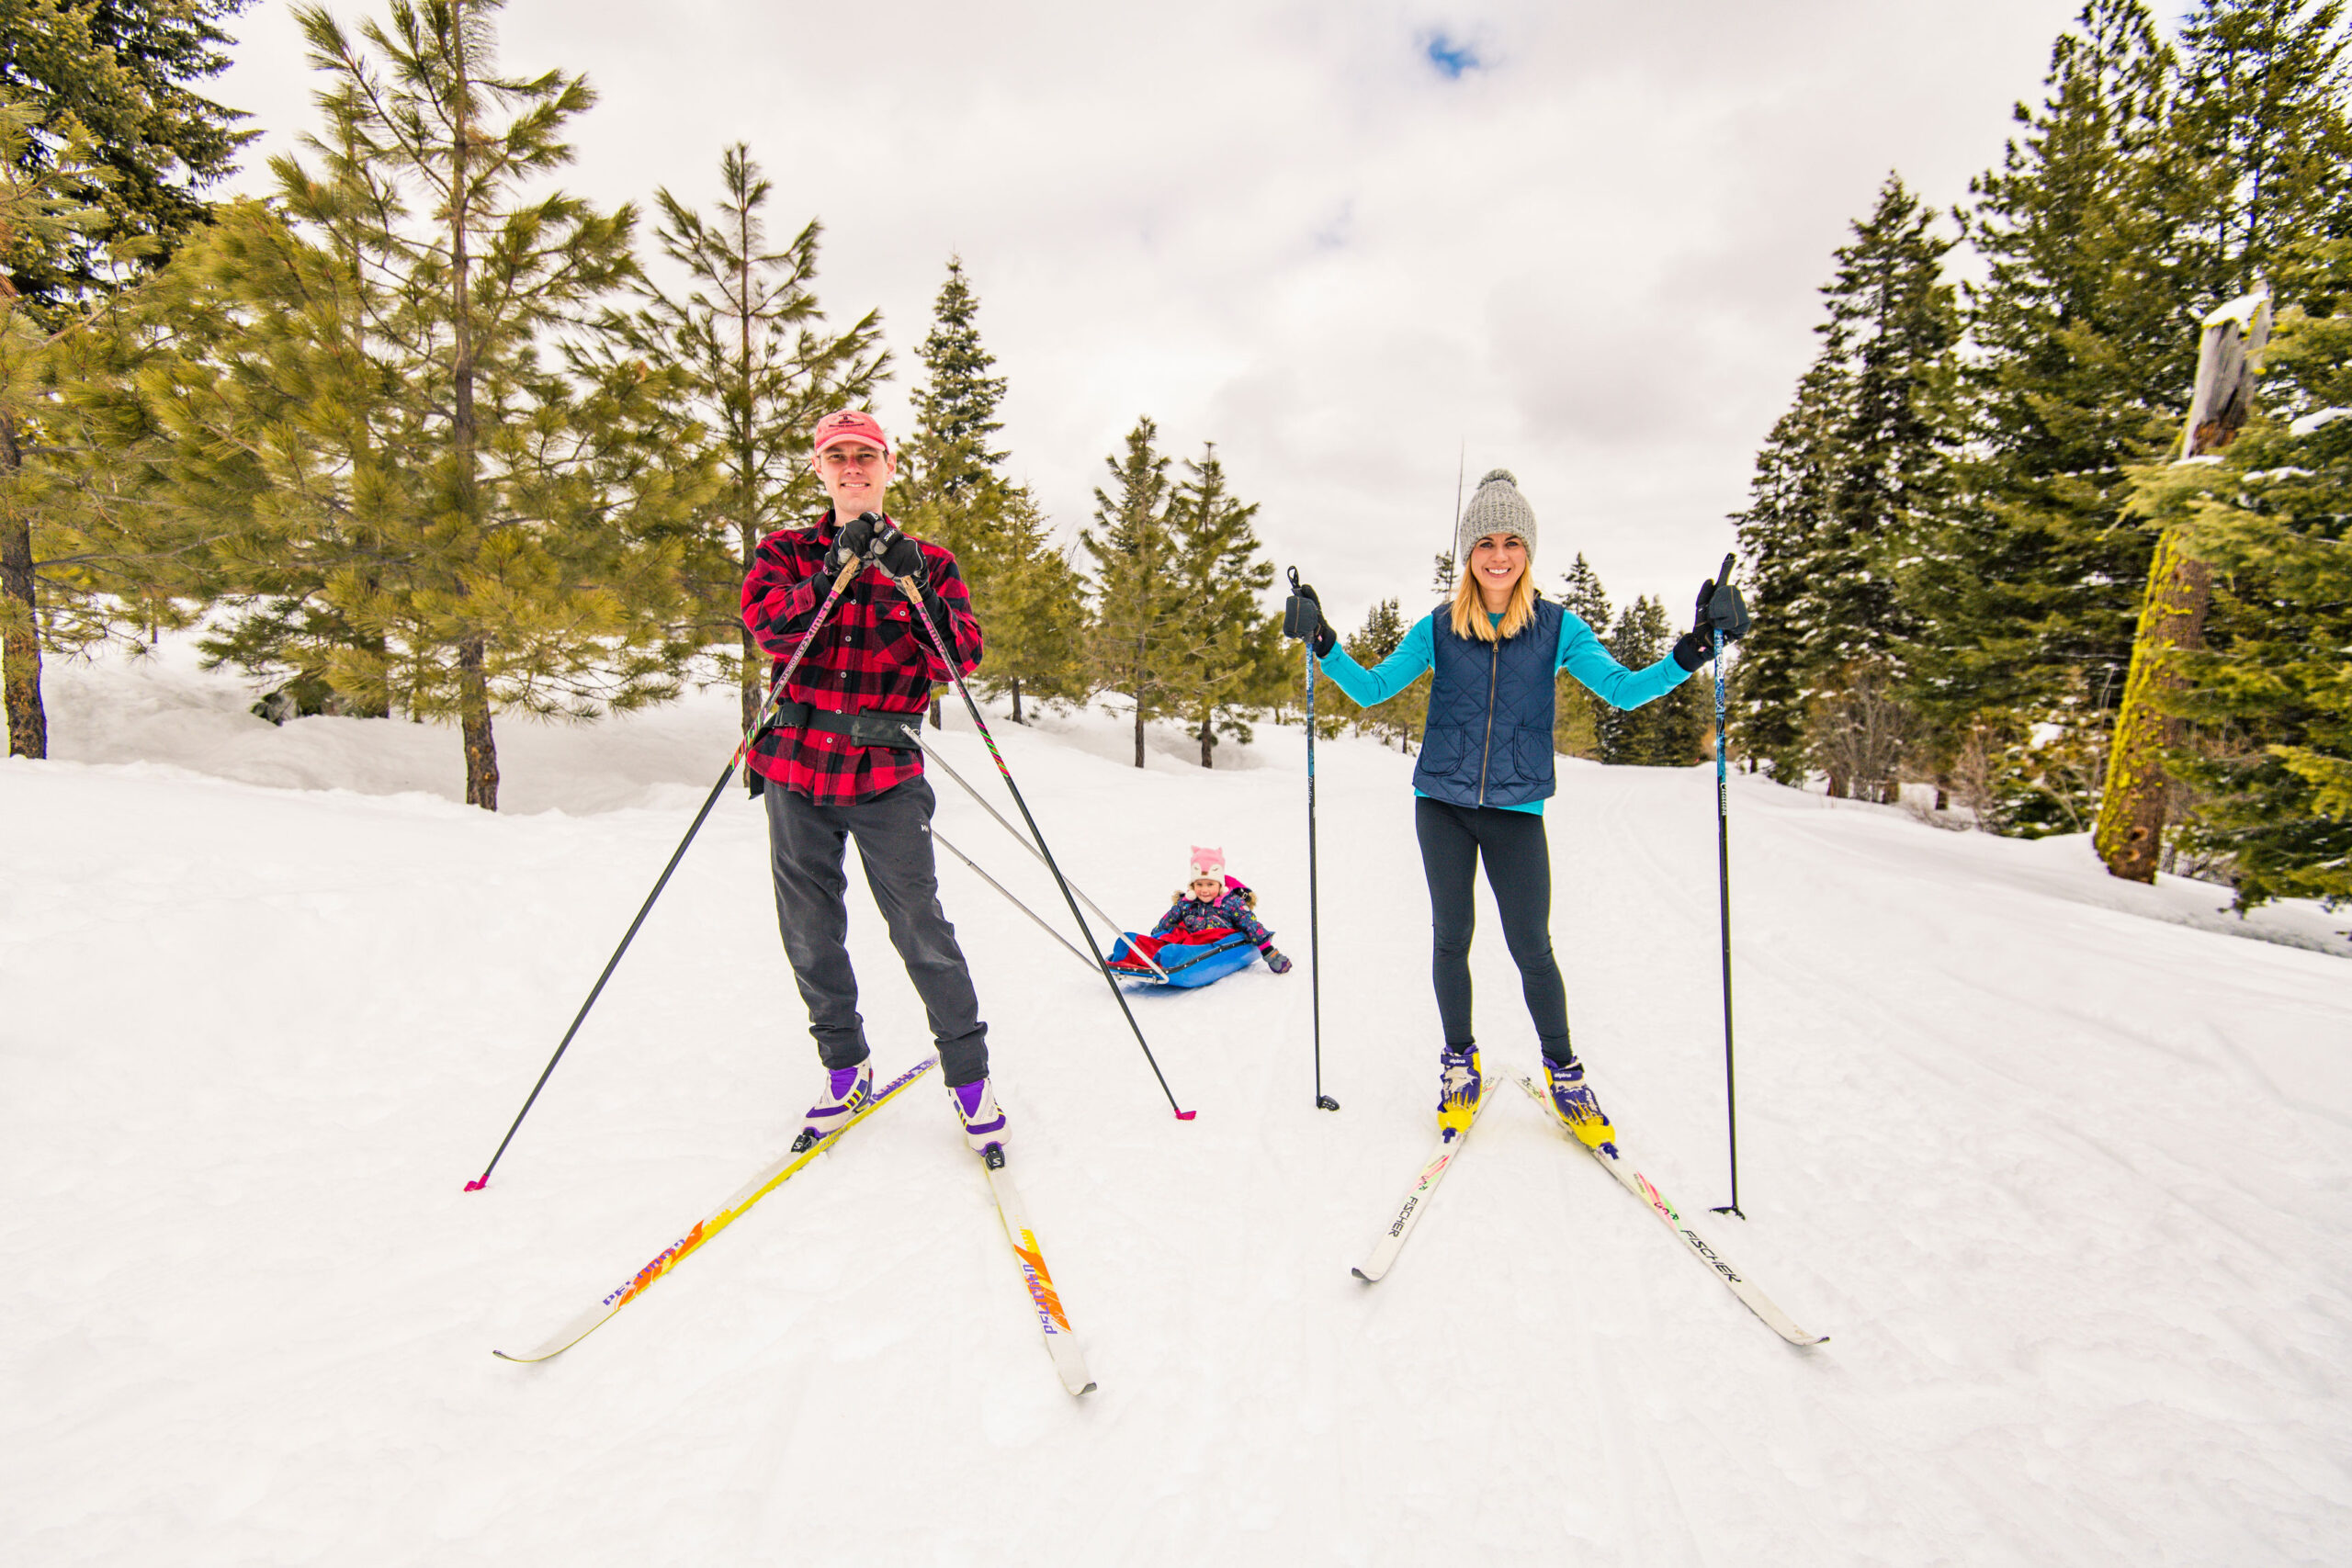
{"points": [[983, 1123], [846, 1091]]}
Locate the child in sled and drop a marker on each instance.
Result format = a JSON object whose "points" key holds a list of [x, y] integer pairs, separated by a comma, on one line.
{"points": [[1213, 900]]}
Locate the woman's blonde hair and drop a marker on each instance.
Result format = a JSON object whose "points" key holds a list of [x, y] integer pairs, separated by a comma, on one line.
{"points": [[1470, 608]]}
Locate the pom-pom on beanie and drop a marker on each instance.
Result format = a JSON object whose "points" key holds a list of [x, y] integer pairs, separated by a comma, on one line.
{"points": [[1496, 507]]}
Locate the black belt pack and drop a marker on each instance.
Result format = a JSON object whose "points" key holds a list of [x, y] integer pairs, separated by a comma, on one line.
{"points": [[898, 731]]}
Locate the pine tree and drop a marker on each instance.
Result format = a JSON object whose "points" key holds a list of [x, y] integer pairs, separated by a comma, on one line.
{"points": [[77, 557], [1577, 730], [2267, 695], [948, 459], [113, 81], [1443, 569], [1138, 622], [1032, 609], [508, 528], [951, 488], [1223, 639], [104, 146], [1652, 735], [2080, 362], [1849, 482], [2264, 107], [1403, 716], [749, 340]]}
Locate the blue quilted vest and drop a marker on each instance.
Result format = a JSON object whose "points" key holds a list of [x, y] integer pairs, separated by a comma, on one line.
{"points": [[1489, 736]]}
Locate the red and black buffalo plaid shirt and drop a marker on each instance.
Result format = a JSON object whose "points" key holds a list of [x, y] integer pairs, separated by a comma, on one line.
{"points": [[871, 655]]}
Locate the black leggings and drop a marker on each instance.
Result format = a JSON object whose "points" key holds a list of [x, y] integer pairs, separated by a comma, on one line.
{"points": [[1519, 868]]}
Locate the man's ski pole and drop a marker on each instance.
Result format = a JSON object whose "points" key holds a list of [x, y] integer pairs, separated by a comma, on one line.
{"points": [[1723, 880], [1313, 905], [885, 534], [742, 748]]}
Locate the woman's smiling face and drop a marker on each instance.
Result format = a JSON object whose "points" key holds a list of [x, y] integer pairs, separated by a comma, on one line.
{"points": [[1496, 563]]}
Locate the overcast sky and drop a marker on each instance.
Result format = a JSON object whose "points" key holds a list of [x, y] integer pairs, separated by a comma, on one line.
{"points": [[1342, 239]]}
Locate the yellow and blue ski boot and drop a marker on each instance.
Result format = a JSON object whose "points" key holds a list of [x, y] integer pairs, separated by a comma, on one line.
{"points": [[1457, 1095], [1580, 1112]]}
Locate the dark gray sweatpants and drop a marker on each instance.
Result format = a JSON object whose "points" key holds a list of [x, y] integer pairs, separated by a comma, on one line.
{"points": [[806, 842]]}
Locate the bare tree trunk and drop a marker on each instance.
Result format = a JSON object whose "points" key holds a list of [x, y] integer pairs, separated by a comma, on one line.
{"points": [[20, 643], [473, 719], [1138, 732], [473, 688], [2130, 828], [1016, 704], [1208, 743], [936, 723]]}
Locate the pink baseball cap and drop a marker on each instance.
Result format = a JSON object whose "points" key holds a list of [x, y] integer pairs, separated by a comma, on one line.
{"points": [[850, 425]]}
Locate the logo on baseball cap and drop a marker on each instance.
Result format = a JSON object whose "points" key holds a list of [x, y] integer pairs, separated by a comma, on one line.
{"points": [[850, 425]]}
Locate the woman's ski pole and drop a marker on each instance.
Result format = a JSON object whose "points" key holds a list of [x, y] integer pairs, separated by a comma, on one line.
{"points": [[1722, 879], [885, 534], [1313, 905], [743, 748]]}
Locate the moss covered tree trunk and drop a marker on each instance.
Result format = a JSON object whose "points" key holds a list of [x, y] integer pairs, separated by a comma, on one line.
{"points": [[2130, 828]]}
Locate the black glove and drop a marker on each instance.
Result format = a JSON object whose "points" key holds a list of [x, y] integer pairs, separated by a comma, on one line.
{"points": [[851, 541], [1303, 617], [902, 557], [1721, 609]]}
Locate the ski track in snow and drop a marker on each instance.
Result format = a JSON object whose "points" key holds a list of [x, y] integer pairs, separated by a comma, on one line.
{"points": [[2060, 1164]]}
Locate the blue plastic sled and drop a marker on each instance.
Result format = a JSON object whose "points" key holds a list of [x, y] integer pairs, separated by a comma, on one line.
{"points": [[1187, 963]]}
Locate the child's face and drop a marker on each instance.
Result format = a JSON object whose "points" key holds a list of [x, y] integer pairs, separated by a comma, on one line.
{"points": [[1207, 889]]}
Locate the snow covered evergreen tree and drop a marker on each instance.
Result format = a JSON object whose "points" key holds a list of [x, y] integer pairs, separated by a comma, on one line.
{"points": [[2081, 357], [2264, 106], [1851, 478], [2268, 688]]}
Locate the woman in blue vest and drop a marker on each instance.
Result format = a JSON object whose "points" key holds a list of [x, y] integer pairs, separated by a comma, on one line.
{"points": [[1486, 770]]}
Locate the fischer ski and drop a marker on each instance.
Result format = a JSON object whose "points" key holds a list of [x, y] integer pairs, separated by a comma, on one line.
{"points": [[1409, 1213], [1640, 1187], [793, 1162], [1061, 1340]]}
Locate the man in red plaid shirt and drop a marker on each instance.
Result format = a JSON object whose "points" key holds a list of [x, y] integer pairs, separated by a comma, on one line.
{"points": [[843, 760]]}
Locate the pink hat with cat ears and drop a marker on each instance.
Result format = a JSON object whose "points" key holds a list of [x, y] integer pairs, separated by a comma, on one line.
{"points": [[1207, 863]]}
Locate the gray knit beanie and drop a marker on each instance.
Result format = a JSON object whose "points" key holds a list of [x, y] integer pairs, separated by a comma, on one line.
{"points": [[1496, 507]]}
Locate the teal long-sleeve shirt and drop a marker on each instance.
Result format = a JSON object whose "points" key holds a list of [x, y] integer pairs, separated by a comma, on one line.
{"points": [[1580, 654]]}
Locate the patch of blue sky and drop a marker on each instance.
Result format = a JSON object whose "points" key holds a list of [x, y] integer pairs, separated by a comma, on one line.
{"points": [[1450, 56]]}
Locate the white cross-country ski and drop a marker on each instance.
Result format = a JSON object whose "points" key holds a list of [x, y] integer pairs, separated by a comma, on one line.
{"points": [[1061, 1340], [760, 1186], [1640, 1187], [1409, 1213]]}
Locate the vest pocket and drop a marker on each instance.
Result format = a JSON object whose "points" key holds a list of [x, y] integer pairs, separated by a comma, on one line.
{"points": [[1532, 756], [1442, 750]]}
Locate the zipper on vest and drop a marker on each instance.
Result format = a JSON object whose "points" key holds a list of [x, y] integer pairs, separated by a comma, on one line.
{"points": [[1486, 747]]}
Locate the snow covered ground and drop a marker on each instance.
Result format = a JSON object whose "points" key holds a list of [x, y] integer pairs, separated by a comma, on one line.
{"points": [[2061, 1166]]}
